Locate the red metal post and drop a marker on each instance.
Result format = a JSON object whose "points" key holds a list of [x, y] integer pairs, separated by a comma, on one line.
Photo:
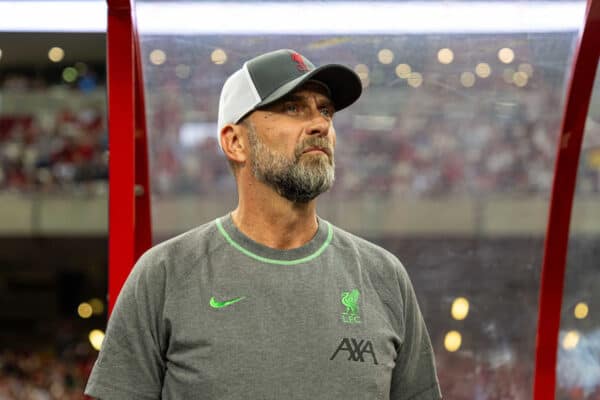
{"points": [[128, 214], [143, 219], [565, 176]]}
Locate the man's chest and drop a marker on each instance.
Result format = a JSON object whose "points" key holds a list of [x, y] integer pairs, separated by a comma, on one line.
{"points": [[286, 335]]}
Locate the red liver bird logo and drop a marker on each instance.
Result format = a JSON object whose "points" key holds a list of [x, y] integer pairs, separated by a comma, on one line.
{"points": [[297, 58]]}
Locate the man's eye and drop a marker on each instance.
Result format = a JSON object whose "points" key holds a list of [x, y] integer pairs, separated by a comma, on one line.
{"points": [[291, 107], [326, 111]]}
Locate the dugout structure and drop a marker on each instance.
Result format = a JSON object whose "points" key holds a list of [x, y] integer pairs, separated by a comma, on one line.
{"points": [[167, 60]]}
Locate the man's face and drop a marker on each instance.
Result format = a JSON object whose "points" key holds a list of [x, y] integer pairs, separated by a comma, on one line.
{"points": [[292, 144]]}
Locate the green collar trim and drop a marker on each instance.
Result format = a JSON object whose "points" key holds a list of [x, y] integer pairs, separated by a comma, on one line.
{"points": [[271, 260]]}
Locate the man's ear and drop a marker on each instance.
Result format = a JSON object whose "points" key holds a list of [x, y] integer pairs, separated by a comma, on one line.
{"points": [[233, 142]]}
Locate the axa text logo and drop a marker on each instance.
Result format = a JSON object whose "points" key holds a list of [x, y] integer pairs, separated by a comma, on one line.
{"points": [[356, 349]]}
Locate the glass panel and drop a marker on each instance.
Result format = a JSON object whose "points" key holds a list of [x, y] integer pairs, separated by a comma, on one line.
{"points": [[446, 160], [578, 369]]}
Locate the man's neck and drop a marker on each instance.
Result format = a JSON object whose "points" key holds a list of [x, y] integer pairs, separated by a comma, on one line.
{"points": [[274, 221]]}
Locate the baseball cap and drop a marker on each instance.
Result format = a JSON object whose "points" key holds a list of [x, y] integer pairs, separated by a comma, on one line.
{"points": [[270, 76]]}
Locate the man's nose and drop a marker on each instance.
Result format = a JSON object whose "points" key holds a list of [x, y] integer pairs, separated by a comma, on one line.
{"points": [[319, 124]]}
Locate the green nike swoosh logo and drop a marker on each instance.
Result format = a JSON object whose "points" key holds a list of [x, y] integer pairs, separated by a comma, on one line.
{"points": [[220, 304]]}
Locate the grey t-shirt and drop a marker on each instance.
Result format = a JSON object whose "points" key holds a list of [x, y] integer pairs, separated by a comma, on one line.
{"points": [[213, 315]]}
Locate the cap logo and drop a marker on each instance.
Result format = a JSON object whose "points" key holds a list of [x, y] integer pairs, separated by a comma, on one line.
{"points": [[297, 58]]}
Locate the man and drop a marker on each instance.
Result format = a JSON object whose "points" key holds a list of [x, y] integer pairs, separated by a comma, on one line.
{"points": [[270, 301]]}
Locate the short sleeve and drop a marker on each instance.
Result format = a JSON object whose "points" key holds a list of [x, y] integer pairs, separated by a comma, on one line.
{"points": [[414, 376], [130, 364]]}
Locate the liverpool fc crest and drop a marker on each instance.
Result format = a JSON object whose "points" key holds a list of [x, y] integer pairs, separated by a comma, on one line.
{"points": [[350, 301]]}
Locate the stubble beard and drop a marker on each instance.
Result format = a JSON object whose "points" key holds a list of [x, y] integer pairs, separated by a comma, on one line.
{"points": [[299, 179]]}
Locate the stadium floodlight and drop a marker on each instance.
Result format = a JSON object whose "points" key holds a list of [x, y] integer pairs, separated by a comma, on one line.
{"points": [[349, 17]]}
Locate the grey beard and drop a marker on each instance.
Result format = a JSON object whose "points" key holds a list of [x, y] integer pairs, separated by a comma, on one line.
{"points": [[299, 181]]}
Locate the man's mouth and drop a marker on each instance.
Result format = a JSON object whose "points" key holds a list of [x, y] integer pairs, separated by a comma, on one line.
{"points": [[316, 149]]}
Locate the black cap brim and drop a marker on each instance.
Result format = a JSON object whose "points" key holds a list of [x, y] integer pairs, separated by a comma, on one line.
{"points": [[343, 83]]}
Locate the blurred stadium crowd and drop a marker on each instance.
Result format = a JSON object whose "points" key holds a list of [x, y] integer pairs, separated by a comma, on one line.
{"points": [[43, 151], [473, 147], [33, 375]]}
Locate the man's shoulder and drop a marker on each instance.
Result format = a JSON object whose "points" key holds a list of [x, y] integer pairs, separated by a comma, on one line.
{"points": [[182, 250], [193, 239], [385, 270], [343, 239]]}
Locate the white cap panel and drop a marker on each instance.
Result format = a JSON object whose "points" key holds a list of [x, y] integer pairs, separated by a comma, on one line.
{"points": [[238, 96]]}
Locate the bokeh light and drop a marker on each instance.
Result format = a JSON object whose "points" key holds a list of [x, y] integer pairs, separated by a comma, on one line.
{"points": [[362, 71], [452, 341], [218, 56], [581, 310], [69, 74], [483, 70], [460, 308], [403, 71], [385, 56], [84, 310], [467, 79], [56, 54], [520, 79], [96, 338], [158, 57], [445, 56], [415, 79], [97, 306], [506, 55], [570, 340], [0, 54]]}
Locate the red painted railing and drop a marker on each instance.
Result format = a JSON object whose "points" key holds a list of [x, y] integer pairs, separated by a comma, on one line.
{"points": [[561, 203], [130, 230]]}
